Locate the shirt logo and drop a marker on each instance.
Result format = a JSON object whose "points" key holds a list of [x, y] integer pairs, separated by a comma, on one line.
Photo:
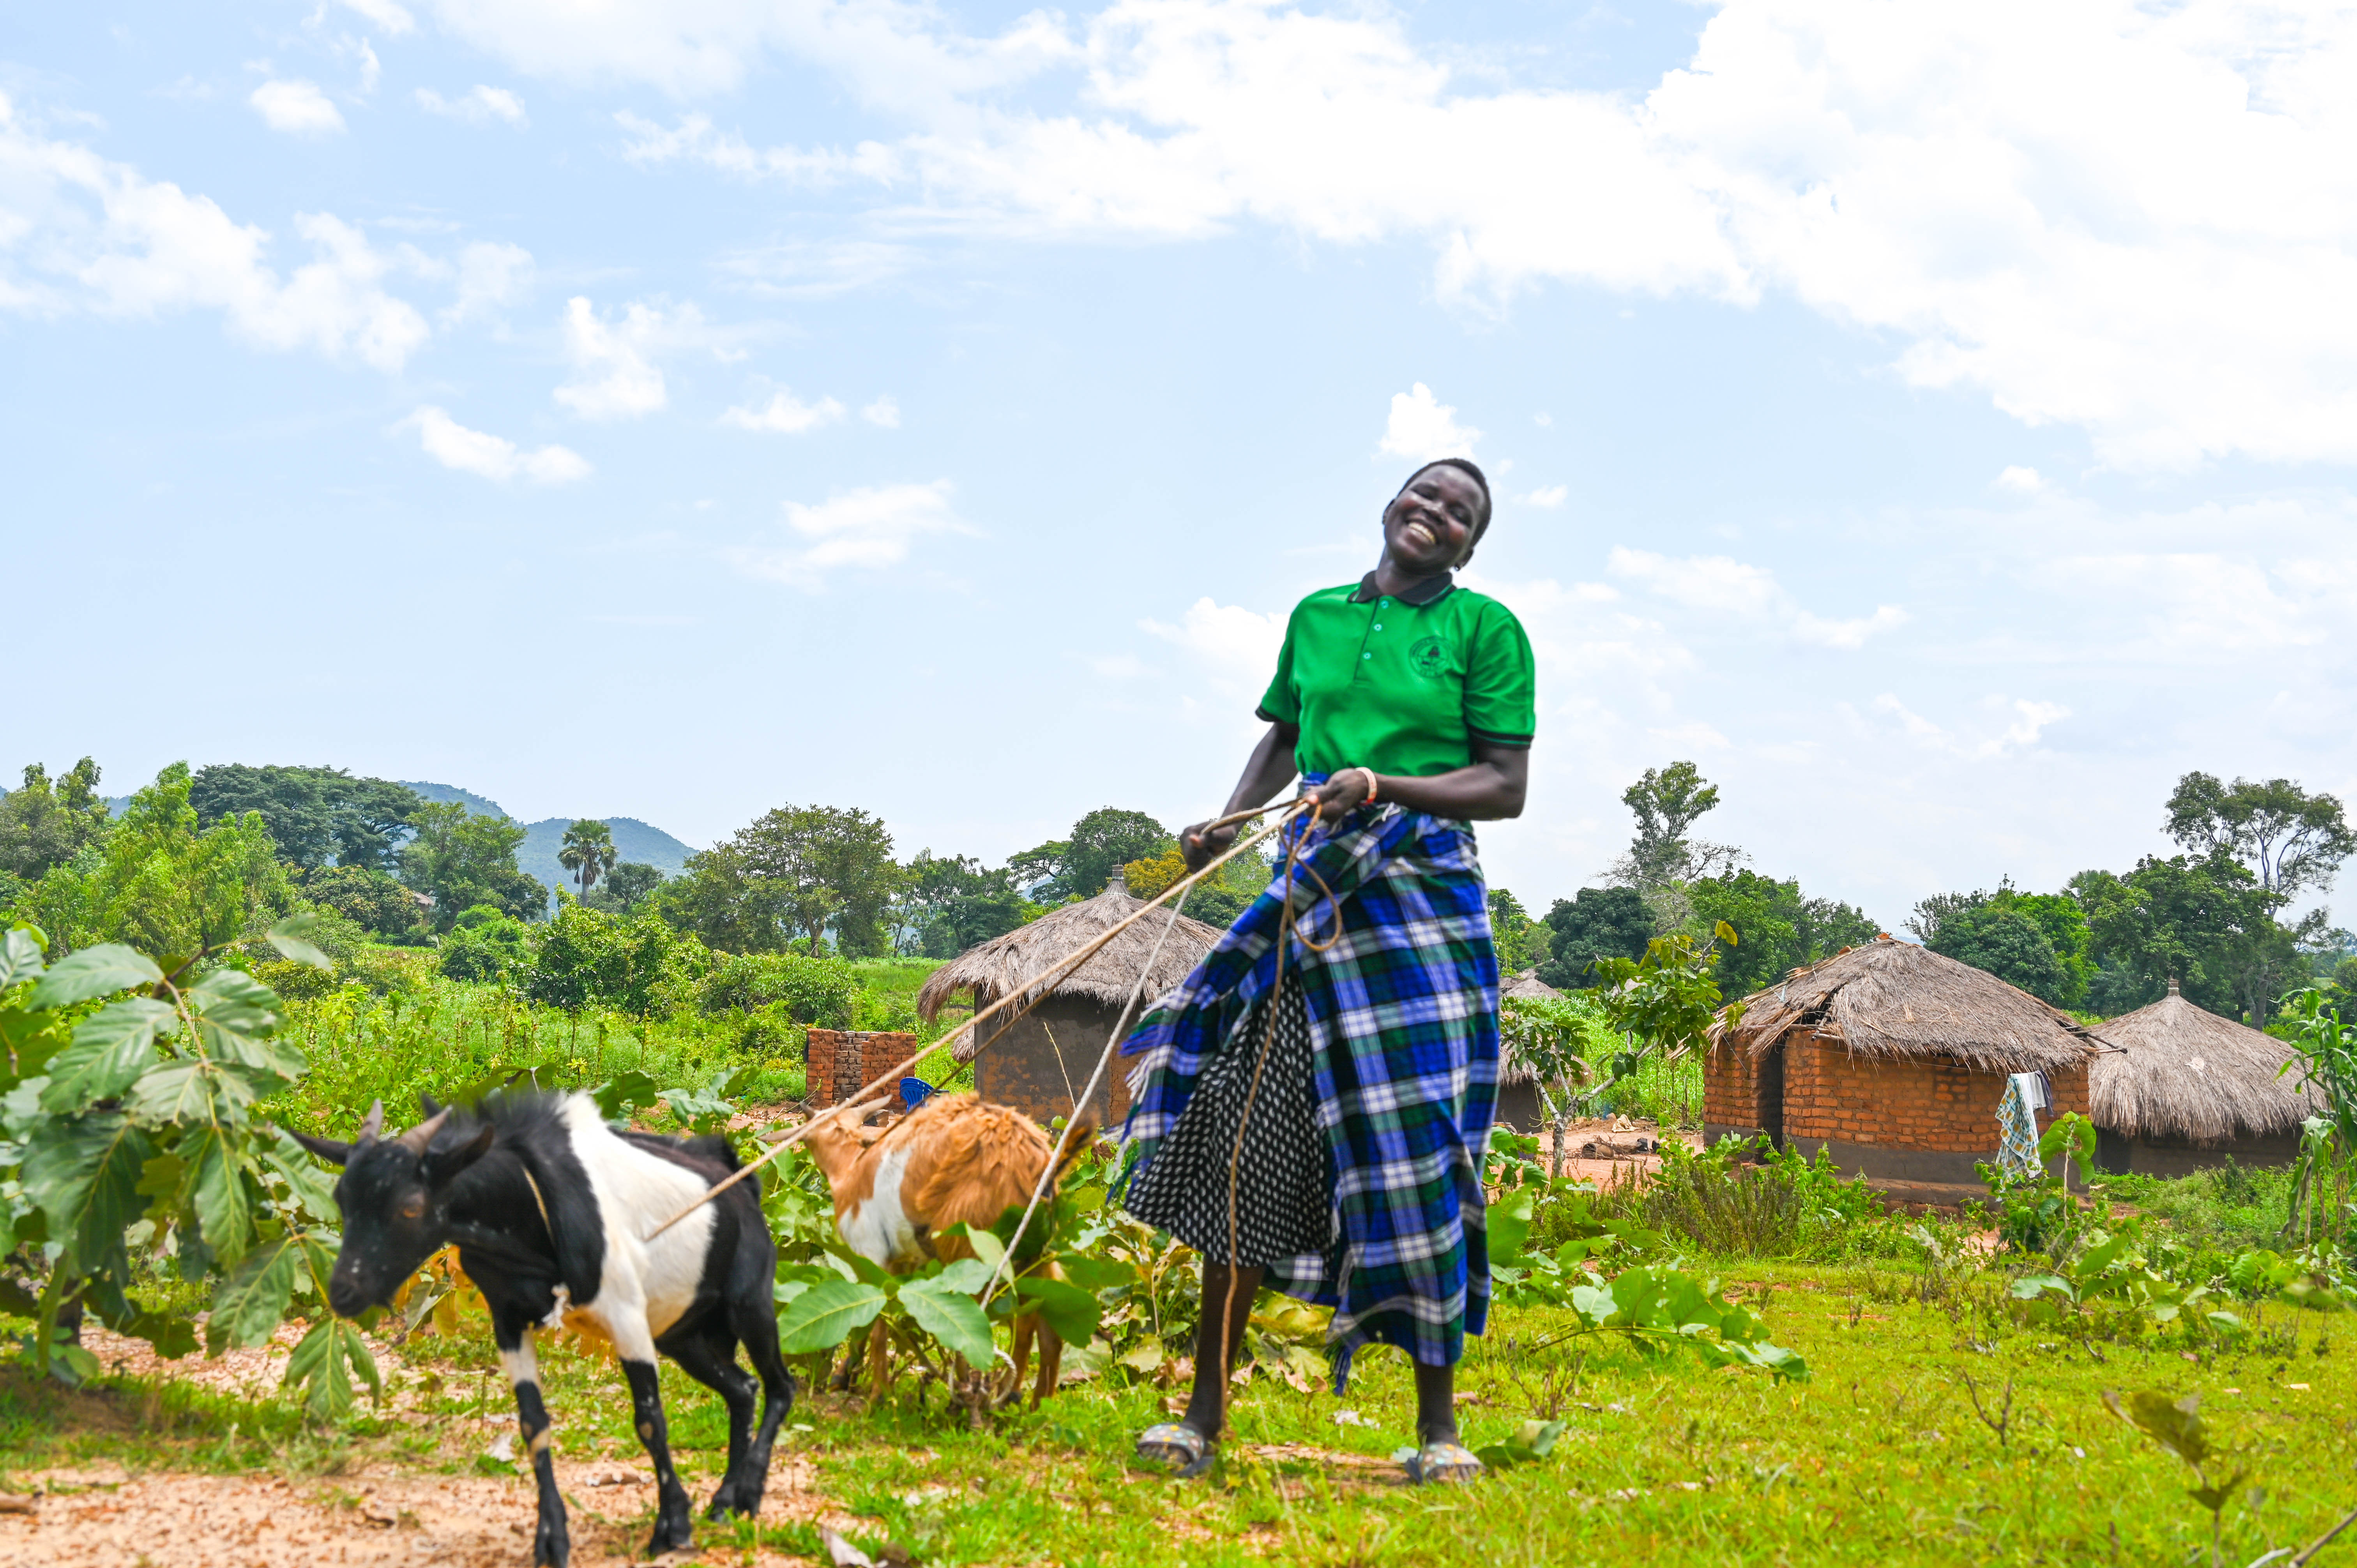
{"points": [[1428, 656]]}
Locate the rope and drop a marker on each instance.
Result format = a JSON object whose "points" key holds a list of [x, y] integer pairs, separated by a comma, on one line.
{"points": [[1036, 989]]}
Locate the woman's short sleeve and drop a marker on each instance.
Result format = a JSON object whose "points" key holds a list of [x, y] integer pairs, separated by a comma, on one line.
{"points": [[1500, 681], [1281, 704]]}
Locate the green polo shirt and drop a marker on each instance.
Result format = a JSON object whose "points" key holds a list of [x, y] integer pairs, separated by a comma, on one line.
{"points": [[1402, 683]]}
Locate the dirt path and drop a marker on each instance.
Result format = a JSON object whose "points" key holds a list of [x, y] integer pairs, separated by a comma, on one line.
{"points": [[107, 1519]]}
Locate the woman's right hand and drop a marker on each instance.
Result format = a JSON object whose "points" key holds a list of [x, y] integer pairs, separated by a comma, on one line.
{"points": [[1199, 846]]}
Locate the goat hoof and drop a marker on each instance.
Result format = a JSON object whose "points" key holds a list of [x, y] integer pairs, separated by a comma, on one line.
{"points": [[671, 1535], [550, 1547]]}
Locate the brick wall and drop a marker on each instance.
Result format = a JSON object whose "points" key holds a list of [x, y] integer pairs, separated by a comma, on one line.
{"points": [[837, 1062], [1730, 1088], [1912, 1104]]}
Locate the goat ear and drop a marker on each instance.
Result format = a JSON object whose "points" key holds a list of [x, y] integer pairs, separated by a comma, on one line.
{"points": [[432, 1106], [442, 1165], [372, 1127], [329, 1149]]}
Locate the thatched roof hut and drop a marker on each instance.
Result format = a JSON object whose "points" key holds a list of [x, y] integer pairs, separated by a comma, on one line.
{"points": [[1520, 1106], [1892, 1055], [1041, 1061], [2187, 1088]]}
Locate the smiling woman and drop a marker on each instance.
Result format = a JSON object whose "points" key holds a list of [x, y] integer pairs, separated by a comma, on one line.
{"points": [[1344, 1058]]}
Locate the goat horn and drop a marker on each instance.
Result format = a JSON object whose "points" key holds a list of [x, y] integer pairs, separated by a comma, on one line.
{"points": [[372, 1127], [417, 1137]]}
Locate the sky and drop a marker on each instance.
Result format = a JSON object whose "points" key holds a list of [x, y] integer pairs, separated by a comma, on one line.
{"points": [[1938, 423]]}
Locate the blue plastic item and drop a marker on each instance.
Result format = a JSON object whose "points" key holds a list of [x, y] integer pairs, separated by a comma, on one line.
{"points": [[913, 1092]]}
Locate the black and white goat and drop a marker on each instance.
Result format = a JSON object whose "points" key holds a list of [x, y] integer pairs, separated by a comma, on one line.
{"points": [[550, 1209]]}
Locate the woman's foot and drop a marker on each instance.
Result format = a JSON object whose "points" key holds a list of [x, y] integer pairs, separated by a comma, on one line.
{"points": [[1445, 1464], [1186, 1451]]}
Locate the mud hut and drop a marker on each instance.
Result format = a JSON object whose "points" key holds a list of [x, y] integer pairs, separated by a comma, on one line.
{"points": [[1520, 1107], [1041, 1063], [1894, 1057], [2187, 1088]]}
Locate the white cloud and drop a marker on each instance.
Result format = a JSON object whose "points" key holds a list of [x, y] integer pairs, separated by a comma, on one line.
{"points": [[480, 105], [1726, 589], [2025, 721], [454, 445], [297, 108], [1238, 647], [616, 376], [1846, 634], [786, 415], [1421, 428], [2019, 481], [81, 233], [2143, 223], [883, 412], [491, 274], [1547, 496], [389, 15], [872, 528]]}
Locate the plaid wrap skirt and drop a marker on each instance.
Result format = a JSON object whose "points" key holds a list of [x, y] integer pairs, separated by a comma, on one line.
{"points": [[1398, 986]]}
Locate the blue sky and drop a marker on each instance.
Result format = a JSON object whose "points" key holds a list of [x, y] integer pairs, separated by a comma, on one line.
{"points": [[1937, 426]]}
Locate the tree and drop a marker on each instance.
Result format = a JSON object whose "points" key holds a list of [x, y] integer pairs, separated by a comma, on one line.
{"points": [[43, 825], [364, 896], [2290, 840], [1599, 923], [1667, 802], [1101, 844], [2206, 923], [1520, 940], [1777, 929], [2038, 941], [460, 858], [315, 815], [588, 853], [628, 885], [790, 874], [947, 903]]}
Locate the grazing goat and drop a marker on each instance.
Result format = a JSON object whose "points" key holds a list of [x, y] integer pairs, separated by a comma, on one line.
{"points": [[952, 1160], [551, 1209]]}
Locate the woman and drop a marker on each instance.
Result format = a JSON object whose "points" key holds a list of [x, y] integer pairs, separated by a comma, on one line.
{"points": [[1314, 1102]]}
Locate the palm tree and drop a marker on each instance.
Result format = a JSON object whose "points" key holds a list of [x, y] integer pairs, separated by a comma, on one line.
{"points": [[588, 853]]}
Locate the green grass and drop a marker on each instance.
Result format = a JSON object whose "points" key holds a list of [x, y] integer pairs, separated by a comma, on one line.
{"points": [[1880, 1459], [2227, 1207]]}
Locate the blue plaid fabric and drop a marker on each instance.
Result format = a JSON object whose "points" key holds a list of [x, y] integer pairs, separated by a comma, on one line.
{"points": [[1403, 1010]]}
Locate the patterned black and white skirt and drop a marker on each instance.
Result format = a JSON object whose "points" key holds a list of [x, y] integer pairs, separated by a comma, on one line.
{"points": [[1260, 1149]]}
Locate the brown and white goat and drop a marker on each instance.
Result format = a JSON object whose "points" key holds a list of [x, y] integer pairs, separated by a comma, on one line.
{"points": [[951, 1161]]}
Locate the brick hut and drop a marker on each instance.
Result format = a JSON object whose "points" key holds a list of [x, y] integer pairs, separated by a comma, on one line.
{"points": [[1040, 1063], [1894, 1057], [2187, 1089]]}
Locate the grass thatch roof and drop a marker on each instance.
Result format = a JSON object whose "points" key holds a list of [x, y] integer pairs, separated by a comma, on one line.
{"points": [[2183, 1072], [992, 968], [1895, 1000], [1512, 1069], [1526, 984]]}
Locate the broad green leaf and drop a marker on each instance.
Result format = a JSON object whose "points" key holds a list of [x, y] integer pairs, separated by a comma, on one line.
{"points": [[290, 936], [269, 1063], [868, 1271], [824, 1315], [966, 1275], [20, 957], [327, 1360], [249, 1305], [176, 1091], [111, 1049], [986, 1246], [218, 1190], [161, 1182], [93, 971], [84, 1172], [1092, 1273], [625, 1090], [1510, 1226], [311, 1187], [1071, 1311], [1594, 1303], [951, 1317]]}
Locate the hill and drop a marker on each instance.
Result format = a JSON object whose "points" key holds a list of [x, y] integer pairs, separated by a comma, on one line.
{"points": [[473, 801], [636, 840]]}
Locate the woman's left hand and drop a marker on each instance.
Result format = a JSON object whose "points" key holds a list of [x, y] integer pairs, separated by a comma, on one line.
{"points": [[1343, 792]]}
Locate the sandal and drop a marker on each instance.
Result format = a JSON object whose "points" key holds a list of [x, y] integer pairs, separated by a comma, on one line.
{"points": [[1186, 1450], [1438, 1464]]}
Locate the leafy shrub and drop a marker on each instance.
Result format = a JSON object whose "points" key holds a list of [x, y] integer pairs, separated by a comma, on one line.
{"points": [[1782, 1207], [821, 991], [364, 896], [486, 946]]}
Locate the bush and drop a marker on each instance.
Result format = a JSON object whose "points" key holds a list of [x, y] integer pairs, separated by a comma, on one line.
{"points": [[366, 896], [819, 991], [639, 967], [1784, 1206], [2229, 1207], [485, 945]]}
